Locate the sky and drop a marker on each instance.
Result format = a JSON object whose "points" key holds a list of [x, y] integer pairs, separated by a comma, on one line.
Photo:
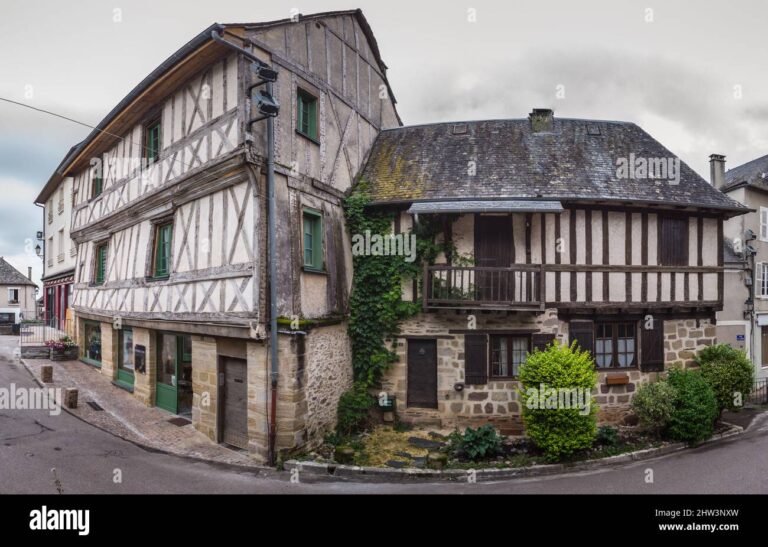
{"points": [[691, 73]]}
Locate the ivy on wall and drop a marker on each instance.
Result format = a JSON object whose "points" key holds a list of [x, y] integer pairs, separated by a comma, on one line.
{"points": [[376, 305]]}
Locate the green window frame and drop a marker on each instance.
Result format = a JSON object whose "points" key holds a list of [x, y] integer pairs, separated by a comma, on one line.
{"points": [[162, 254], [152, 142], [101, 264], [306, 114], [313, 239], [98, 185]]}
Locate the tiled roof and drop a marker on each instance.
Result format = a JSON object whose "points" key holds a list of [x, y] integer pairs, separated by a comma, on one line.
{"points": [[754, 173], [11, 276], [577, 160]]}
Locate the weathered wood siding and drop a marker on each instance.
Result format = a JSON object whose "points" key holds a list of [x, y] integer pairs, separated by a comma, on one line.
{"points": [[603, 256], [199, 125]]}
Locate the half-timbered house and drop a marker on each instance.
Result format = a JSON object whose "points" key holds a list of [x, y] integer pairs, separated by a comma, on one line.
{"points": [[559, 229], [170, 216]]}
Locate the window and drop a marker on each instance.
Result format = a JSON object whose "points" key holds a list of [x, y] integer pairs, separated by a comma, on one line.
{"points": [[152, 142], [306, 114], [13, 296], [313, 240], [92, 353], [100, 267], [162, 255], [97, 184], [507, 354], [761, 288], [126, 350], [615, 344], [673, 241], [763, 223]]}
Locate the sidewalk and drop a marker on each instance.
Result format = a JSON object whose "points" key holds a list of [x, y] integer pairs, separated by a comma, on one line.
{"points": [[127, 418]]}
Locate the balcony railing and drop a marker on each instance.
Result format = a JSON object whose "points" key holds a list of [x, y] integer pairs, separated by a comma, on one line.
{"points": [[517, 287], [575, 286]]}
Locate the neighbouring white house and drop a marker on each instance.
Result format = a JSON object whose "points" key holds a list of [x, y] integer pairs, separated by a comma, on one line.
{"points": [[60, 251], [17, 295]]}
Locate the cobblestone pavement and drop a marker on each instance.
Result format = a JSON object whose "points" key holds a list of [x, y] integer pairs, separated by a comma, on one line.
{"points": [[126, 417]]}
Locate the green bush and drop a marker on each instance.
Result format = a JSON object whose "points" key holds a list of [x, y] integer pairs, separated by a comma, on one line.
{"points": [[607, 436], [476, 444], [696, 408], [556, 429], [353, 412], [654, 404], [728, 372]]}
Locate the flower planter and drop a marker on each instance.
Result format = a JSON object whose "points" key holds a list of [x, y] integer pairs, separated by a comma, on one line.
{"points": [[71, 353]]}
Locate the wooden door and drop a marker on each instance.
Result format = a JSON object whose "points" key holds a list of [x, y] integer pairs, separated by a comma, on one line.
{"points": [[494, 249], [422, 373], [235, 402]]}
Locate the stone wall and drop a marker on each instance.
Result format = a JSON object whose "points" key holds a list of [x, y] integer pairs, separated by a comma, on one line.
{"points": [[205, 393], [683, 338], [329, 374], [495, 402], [498, 402], [109, 341], [144, 384]]}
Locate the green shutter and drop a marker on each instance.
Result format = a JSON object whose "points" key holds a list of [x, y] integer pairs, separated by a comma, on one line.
{"points": [[163, 250], [101, 263], [313, 240], [312, 108], [153, 142], [306, 114]]}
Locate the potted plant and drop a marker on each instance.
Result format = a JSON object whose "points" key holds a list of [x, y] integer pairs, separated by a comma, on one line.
{"points": [[63, 349]]}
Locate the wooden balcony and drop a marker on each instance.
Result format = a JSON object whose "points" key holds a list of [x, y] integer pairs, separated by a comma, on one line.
{"points": [[519, 287], [578, 287]]}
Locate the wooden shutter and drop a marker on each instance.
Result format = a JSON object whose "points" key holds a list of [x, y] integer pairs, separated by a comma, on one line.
{"points": [[540, 340], [652, 347], [759, 279], [475, 359], [764, 223], [584, 334], [673, 241]]}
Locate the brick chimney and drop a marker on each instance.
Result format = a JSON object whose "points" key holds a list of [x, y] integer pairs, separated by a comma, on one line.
{"points": [[542, 120], [717, 170], [29, 272]]}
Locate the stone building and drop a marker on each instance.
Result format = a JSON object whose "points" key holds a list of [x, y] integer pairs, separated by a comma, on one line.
{"points": [[170, 222], [560, 229]]}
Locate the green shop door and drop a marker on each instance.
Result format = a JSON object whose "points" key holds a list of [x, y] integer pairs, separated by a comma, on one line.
{"points": [[125, 358], [174, 373]]}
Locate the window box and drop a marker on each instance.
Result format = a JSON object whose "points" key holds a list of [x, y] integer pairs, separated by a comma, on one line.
{"points": [[617, 379], [71, 353]]}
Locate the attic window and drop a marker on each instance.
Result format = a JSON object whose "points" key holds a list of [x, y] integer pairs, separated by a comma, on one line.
{"points": [[593, 129], [459, 129]]}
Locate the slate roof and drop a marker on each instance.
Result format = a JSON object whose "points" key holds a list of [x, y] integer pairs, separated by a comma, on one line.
{"points": [[575, 161], [750, 173], [11, 276]]}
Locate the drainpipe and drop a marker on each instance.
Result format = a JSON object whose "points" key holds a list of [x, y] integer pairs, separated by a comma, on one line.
{"points": [[271, 238], [271, 229]]}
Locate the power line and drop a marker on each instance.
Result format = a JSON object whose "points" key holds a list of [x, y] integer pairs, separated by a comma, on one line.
{"points": [[141, 145]]}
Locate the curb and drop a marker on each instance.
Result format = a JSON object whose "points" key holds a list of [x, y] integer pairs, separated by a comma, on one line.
{"points": [[153, 449], [382, 474]]}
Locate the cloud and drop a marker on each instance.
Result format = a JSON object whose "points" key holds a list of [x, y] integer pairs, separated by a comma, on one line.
{"points": [[691, 112]]}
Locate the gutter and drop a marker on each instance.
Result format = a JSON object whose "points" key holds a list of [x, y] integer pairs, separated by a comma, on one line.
{"points": [[271, 237]]}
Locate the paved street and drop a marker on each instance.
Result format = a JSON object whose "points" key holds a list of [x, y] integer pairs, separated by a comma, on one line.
{"points": [[86, 460]]}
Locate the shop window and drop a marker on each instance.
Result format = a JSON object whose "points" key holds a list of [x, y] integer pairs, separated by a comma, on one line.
{"points": [[92, 352]]}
